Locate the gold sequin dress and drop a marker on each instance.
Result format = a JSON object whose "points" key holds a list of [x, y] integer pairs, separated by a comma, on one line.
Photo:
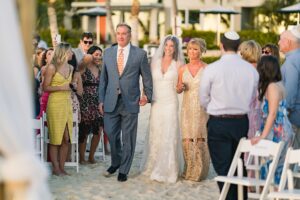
{"points": [[193, 128], [59, 110]]}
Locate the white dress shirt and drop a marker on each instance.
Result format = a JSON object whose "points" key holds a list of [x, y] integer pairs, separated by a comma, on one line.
{"points": [[126, 51], [228, 86]]}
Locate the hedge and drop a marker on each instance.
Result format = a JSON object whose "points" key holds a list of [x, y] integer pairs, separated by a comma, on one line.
{"points": [[210, 37]]}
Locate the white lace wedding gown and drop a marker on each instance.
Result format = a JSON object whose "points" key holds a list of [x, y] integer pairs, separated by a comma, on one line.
{"points": [[163, 157]]}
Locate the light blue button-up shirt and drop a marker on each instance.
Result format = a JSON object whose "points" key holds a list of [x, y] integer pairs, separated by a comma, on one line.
{"points": [[228, 86], [291, 80]]}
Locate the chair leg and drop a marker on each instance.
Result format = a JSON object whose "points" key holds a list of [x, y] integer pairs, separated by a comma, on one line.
{"points": [[240, 174]]}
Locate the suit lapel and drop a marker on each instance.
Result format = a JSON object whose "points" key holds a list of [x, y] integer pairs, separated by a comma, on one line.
{"points": [[114, 59], [130, 57]]}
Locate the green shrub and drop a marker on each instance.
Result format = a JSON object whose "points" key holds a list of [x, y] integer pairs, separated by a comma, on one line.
{"points": [[69, 36], [209, 60], [260, 37], [210, 37]]}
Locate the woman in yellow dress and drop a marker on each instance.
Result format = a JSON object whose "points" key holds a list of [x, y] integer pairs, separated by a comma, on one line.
{"points": [[59, 108], [193, 116]]}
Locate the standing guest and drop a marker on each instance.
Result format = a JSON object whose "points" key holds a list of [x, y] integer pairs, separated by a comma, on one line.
{"points": [[275, 126], [163, 153], [59, 109], [226, 91], [193, 116], [46, 61], [251, 52], [91, 119], [271, 50], [289, 44], [77, 90], [37, 62], [119, 97], [40, 43], [86, 41]]}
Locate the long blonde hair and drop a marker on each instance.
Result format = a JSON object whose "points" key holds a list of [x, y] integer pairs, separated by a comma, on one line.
{"points": [[60, 54]]}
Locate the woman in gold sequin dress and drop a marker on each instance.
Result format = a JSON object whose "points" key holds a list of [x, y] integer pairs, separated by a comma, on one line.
{"points": [[193, 116], [59, 108]]}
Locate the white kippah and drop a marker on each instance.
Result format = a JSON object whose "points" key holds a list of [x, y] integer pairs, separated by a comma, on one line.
{"points": [[296, 31], [232, 35]]}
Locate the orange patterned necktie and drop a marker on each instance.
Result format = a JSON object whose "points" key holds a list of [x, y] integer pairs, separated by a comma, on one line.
{"points": [[120, 61]]}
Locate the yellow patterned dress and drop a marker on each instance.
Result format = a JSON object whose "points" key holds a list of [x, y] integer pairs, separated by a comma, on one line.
{"points": [[193, 128], [59, 110]]}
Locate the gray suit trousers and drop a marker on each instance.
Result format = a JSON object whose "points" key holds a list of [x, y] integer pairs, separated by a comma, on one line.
{"points": [[122, 153]]}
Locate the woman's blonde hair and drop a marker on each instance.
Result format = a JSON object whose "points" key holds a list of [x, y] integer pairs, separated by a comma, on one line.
{"points": [[60, 54], [250, 51], [199, 42]]}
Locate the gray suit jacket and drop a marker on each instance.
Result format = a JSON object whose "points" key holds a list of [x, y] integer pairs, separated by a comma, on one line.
{"points": [[128, 82]]}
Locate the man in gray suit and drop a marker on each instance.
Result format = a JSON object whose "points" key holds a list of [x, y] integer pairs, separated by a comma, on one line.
{"points": [[119, 98]]}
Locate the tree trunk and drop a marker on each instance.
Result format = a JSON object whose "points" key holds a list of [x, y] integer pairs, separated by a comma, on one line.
{"points": [[52, 20], [174, 9], [135, 9], [110, 22]]}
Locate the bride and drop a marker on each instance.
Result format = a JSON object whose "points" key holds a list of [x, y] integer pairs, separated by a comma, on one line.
{"points": [[163, 157]]}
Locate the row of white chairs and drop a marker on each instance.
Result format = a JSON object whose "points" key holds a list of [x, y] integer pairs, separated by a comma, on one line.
{"points": [[265, 149], [41, 141]]}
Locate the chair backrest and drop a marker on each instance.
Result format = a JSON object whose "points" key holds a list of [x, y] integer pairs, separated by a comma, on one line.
{"points": [[263, 148], [292, 157], [38, 126]]}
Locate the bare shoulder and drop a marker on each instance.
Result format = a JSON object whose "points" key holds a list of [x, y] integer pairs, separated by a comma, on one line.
{"points": [[273, 91]]}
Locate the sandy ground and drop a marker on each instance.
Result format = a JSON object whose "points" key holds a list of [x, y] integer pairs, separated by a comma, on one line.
{"points": [[90, 184]]}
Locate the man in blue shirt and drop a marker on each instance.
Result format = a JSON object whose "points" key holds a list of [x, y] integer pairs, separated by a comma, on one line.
{"points": [[289, 44]]}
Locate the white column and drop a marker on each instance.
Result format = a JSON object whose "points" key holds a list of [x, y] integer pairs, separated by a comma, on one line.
{"points": [[201, 21], [186, 18], [232, 22], [218, 28], [85, 23], [98, 30], [153, 25]]}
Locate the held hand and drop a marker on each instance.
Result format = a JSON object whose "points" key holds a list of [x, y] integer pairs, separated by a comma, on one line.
{"points": [[143, 100], [255, 140], [180, 87], [100, 107]]}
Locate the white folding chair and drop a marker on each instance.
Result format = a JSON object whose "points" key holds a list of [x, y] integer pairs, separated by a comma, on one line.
{"points": [[287, 177], [74, 158], [265, 149], [38, 128]]}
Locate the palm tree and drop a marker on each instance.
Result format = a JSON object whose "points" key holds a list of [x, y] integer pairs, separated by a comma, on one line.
{"points": [[110, 22], [135, 9], [52, 20]]}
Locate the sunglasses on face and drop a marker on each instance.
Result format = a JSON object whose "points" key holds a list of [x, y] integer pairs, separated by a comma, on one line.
{"points": [[87, 42], [265, 52]]}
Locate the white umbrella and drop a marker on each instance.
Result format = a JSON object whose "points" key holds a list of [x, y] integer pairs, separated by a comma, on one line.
{"points": [[96, 12], [292, 9], [219, 10]]}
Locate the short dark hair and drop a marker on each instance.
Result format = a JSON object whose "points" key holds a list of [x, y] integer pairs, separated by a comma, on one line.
{"points": [[125, 25], [87, 35], [230, 45]]}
